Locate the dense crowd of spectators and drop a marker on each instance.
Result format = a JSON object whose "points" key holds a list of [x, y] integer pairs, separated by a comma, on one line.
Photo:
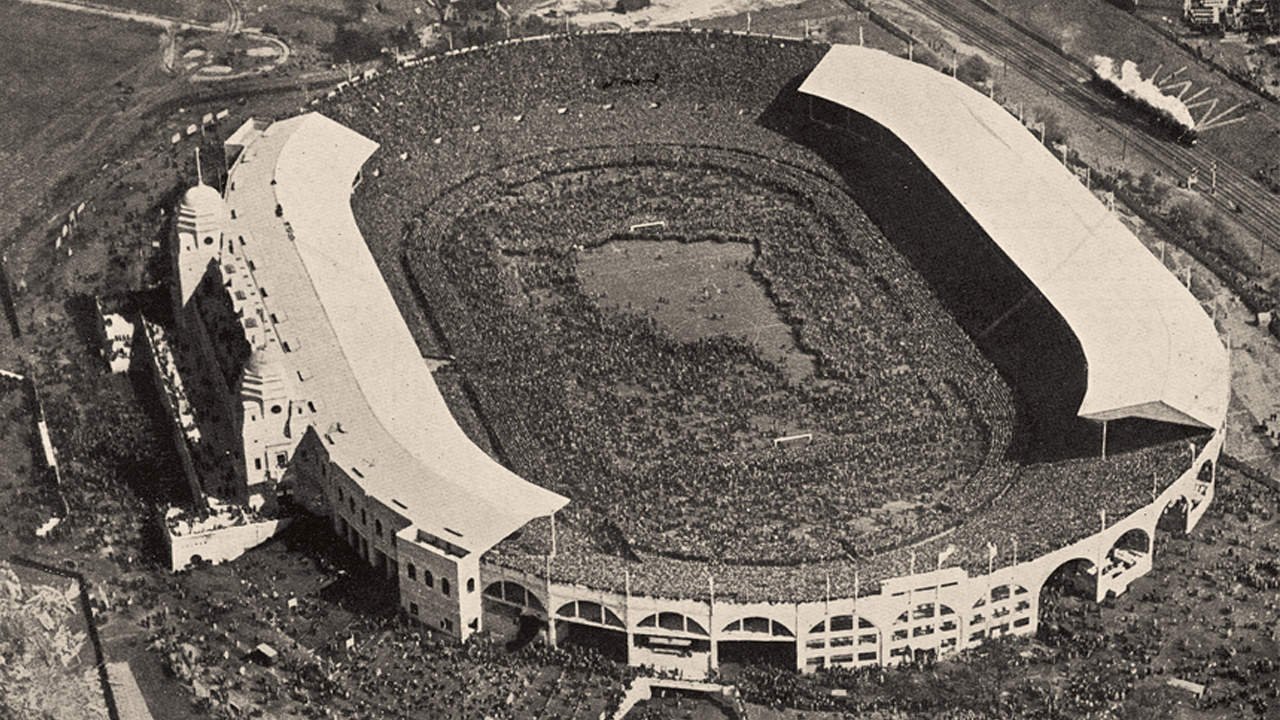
{"points": [[497, 163]]}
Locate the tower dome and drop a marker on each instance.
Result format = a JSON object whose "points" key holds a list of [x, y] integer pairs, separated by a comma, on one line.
{"points": [[201, 213]]}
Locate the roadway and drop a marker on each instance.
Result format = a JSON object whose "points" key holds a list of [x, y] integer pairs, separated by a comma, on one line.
{"points": [[1259, 209]]}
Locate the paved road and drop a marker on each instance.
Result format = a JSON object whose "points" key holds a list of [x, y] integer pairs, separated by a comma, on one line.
{"points": [[162, 21], [1060, 75]]}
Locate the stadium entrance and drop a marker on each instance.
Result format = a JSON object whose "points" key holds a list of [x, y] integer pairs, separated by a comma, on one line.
{"points": [[590, 624], [512, 614], [757, 641], [1127, 560], [671, 641]]}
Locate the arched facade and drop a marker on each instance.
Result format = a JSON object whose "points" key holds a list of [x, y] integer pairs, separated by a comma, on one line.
{"points": [[931, 614]]}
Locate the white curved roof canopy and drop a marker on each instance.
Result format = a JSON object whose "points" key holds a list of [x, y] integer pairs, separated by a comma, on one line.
{"points": [[1151, 350], [377, 403]]}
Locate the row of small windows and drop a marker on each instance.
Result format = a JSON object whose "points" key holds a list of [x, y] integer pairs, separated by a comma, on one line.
{"points": [[843, 641], [842, 659], [429, 579]]}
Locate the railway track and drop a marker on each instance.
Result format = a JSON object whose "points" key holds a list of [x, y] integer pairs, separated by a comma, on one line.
{"points": [[1258, 208]]}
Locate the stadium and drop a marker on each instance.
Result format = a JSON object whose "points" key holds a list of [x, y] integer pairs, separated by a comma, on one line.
{"points": [[958, 381]]}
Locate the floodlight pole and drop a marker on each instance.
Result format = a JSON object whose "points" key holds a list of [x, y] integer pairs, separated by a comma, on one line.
{"points": [[748, 22], [860, 43], [1104, 439]]}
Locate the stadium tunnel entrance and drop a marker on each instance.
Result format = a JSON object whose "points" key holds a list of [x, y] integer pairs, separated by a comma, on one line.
{"points": [[589, 624], [998, 307], [672, 641], [513, 614], [1068, 601], [757, 641], [1128, 559]]}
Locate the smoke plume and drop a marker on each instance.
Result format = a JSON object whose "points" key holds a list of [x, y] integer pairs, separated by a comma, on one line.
{"points": [[1131, 83]]}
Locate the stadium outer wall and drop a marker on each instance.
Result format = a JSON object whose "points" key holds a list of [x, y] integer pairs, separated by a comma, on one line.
{"points": [[895, 625], [926, 614]]}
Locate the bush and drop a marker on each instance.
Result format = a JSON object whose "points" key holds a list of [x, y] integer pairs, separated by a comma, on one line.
{"points": [[974, 70]]}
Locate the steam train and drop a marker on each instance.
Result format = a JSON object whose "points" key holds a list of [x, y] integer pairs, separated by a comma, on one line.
{"points": [[1160, 119]]}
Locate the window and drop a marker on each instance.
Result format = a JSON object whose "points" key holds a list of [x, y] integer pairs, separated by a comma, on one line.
{"points": [[262, 291], [863, 657], [413, 609], [285, 346], [364, 517], [377, 527], [339, 494], [208, 240], [257, 463], [444, 585], [276, 409], [352, 503], [282, 459], [816, 644], [413, 572], [427, 578], [471, 585], [474, 624]]}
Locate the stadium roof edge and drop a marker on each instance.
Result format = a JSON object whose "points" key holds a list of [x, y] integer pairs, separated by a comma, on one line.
{"points": [[1151, 350], [394, 428]]}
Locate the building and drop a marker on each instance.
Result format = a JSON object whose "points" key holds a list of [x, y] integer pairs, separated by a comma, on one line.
{"points": [[335, 402], [338, 408]]}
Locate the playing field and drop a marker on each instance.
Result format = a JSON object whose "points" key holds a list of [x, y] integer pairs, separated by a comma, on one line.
{"points": [[647, 335]]}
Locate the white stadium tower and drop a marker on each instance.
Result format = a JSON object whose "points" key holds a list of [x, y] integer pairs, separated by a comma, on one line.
{"points": [[335, 394]]}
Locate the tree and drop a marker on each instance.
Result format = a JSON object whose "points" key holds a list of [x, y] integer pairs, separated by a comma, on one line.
{"points": [[974, 70]]}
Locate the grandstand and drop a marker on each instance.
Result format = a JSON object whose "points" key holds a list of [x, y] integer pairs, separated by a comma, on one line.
{"points": [[351, 278]]}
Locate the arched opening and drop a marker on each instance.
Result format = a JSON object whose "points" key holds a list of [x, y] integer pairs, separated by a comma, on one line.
{"points": [[195, 561], [757, 641], [592, 625], [515, 594], [1206, 474], [671, 640], [1128, 559], [1204, 484], [1067, 603], [1172, 527], [512, 613]]}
